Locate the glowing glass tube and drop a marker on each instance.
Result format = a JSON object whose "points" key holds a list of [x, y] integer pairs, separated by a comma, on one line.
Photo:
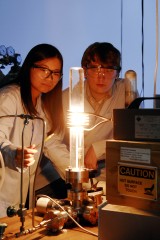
{"points": [[75, 118]]}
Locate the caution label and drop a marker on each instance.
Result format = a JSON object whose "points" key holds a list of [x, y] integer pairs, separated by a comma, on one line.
{"points": [[137, 181]]}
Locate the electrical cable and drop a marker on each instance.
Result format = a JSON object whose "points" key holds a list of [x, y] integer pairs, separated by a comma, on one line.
{"points": [[84, 229], [142, 47], [157, 46], [121, 35]]}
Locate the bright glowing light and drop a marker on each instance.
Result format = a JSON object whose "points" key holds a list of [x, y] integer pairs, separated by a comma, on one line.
{"points": [[76, 120]]}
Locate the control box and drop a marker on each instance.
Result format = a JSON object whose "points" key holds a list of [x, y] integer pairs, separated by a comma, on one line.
{"points": [[136, 124], [133, 174]]}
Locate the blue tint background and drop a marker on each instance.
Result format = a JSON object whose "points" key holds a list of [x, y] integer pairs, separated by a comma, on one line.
{"points": [[72, 25]]}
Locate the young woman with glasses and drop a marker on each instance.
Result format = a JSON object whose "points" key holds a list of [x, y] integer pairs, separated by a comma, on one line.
{"points": [[36, 93]]}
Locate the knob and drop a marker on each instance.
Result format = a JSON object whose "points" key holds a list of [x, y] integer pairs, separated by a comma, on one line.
{"points": [[11, 211], [2, 229]]}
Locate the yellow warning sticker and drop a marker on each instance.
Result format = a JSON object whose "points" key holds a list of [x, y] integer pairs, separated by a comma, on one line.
{"points": [[137, 181]]}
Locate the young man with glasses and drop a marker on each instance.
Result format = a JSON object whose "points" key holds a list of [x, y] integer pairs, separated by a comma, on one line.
{"points": [[103, 91]]}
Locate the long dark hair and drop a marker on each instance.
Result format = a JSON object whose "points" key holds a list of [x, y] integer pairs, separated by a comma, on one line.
{"points": [[51, 101]]}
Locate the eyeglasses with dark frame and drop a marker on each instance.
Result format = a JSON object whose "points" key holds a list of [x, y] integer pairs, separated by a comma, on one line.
{"points": [[46, 73], [106, 70]]}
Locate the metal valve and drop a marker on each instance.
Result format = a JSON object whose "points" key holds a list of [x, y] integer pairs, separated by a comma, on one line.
{"points": [[2, 229]]}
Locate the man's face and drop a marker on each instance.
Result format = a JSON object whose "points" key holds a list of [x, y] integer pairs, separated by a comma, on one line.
{"points": [[100, 78]]}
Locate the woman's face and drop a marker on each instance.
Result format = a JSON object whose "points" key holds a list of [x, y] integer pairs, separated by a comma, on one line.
{"points": [[45, 75]]}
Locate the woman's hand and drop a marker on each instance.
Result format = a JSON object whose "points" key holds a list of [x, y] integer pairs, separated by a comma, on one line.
{"points": [[28, 156], [90, 160]]}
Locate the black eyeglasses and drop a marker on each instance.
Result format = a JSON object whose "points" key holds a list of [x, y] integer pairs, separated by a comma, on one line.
{"points": [[46, 73]]}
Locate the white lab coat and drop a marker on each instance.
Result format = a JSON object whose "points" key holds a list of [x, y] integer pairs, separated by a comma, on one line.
{"points": [[98, 136], [11, 137]]}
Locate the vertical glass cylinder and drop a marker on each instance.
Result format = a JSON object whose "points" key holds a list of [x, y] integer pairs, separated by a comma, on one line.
{"points": [[76, 106], [130, 86]]}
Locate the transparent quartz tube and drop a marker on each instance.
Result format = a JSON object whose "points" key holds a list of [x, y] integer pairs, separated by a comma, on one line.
{"points": [[130, 86], [76, 119]]}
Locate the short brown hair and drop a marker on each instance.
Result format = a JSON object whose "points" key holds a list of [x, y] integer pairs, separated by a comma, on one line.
{"points": [[105, 52]]}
